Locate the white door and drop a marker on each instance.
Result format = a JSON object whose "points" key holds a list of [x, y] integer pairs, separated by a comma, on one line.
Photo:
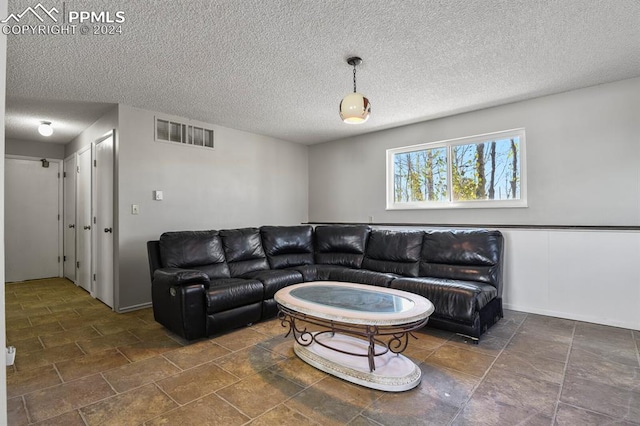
{"points": [[83, 220], [69, 218], [32, 238], [104, 219]]}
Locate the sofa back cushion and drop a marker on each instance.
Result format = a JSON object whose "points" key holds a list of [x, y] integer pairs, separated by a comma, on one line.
{"points": [[341, 245], [201, 250], [474, 255], [394, 252], [287, 246], [243, 250]]}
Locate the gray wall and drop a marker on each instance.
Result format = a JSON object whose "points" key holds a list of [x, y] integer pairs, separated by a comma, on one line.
{"points": [[102, 126], [247, 180], [34, 149], [583, 161]]}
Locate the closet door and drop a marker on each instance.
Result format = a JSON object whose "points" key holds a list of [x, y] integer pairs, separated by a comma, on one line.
{"points": [[69, 218], [84, 220], [104, 286]]}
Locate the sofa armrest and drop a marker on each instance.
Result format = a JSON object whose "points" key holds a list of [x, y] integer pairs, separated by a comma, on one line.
{"points": [[179, 301], [177, 277]]}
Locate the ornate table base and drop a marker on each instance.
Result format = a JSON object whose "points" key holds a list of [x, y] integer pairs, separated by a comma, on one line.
{"points": [[394, 372], [356, 353]]}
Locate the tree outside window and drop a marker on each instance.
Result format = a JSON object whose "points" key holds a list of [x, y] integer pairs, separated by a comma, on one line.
{"points": [[479, 171]]}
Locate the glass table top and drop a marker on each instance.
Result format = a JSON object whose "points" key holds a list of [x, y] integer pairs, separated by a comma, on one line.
{"points": [[353, 299]]}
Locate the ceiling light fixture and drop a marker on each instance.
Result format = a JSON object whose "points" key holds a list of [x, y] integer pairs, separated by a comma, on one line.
{"points": [[355, 108], [45, 128]]}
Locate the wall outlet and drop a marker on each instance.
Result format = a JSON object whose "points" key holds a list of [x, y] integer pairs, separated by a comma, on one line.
{"points": [[370, 219], [135, 209]]}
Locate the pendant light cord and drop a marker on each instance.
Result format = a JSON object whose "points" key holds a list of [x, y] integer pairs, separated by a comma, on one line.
{"points": [[354, 78]]}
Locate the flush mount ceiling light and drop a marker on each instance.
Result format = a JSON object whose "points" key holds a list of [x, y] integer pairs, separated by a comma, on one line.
{"points": [[355, 108], [45, 128]]}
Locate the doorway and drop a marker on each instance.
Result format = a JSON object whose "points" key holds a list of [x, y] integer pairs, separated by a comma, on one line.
{"points": [[94, 207], [33, 231]]}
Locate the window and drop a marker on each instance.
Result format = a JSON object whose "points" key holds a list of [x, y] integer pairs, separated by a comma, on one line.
{"points": [[173, 131], [478, 171]]}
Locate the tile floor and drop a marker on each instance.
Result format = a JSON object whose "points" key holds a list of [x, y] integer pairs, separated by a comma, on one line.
{"points": [[79, 363]]}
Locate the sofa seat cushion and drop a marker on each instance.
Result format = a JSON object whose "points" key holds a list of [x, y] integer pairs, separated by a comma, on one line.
{"points": [[453, 299], [274, 280], [317, 272], [362, 276], [229, 293]]}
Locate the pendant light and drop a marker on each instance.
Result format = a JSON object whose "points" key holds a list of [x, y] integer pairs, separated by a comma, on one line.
{"points": [[355, 108], [45, 128]]}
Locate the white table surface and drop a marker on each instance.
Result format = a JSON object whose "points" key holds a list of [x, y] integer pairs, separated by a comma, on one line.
{"points": [[417, 309]]}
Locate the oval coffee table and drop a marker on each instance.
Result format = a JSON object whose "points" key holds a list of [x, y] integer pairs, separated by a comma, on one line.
{"points": [[356, 332]]}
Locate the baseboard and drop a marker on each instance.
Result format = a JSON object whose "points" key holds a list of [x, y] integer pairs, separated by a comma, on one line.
{"points": [[571, 316], [134, 307]]}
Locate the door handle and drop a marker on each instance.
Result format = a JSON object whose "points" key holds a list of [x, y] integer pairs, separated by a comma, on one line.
{"points": [[108, 230], [72, 226], [87, 227]]}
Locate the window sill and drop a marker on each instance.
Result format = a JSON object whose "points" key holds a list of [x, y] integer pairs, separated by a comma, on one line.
{"points": [[519, 204]]}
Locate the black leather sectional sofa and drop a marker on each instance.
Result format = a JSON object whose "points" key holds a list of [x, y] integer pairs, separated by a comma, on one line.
{"points": [[207, 282]]}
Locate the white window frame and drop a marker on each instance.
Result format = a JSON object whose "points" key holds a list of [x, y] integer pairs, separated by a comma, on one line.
{"points": [[450, 203]]}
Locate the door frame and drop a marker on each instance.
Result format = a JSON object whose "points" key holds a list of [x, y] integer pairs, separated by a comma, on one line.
{"points": [[94, 209], [59, 162], [73, 156], [88, 147]]}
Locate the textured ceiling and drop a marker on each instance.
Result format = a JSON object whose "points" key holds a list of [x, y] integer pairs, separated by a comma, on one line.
{"points": [[278, 67], [68, 118]]}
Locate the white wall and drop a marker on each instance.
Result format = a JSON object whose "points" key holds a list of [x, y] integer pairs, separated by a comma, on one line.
{"points": [[3, 68], [583, 160], [586, 275], [247, 180], [34, 149]]}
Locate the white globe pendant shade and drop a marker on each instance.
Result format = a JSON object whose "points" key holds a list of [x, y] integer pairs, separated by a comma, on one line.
{"points": [[355, 108], [45, 128]]}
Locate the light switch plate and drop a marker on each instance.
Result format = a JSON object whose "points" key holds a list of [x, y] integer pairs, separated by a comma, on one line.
{"points": [[135, 209], [157, 195]]}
